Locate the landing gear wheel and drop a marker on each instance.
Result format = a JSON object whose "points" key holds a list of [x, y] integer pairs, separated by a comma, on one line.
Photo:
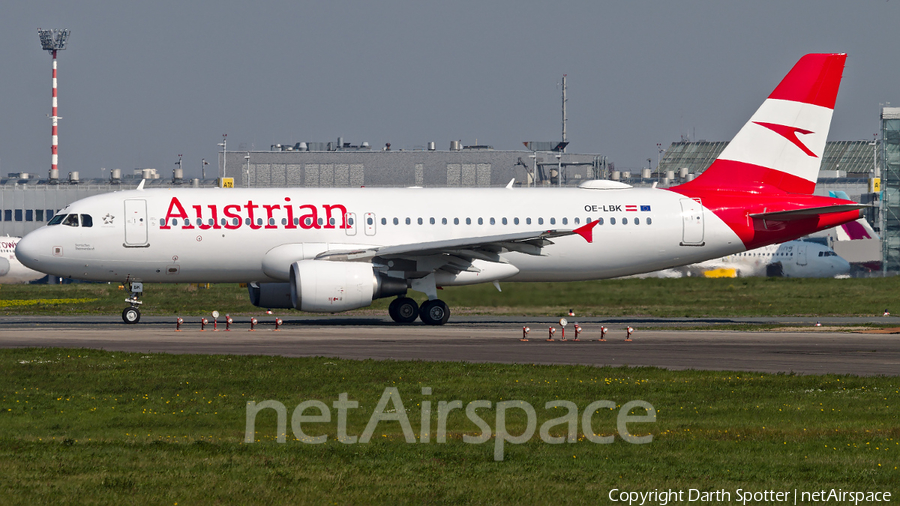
{"points": [[434, 312], [403, 310], [131, 315]]}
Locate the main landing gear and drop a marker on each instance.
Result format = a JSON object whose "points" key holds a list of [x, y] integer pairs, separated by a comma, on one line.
{"points": [[432, 312], [132, 314]]}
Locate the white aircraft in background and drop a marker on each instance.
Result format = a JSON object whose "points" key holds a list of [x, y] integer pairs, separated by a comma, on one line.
{"points": [[11, 270], [336, 249], [793, 259]]}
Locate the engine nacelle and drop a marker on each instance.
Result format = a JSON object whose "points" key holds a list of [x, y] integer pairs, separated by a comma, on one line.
{"points": [[325, 286]]}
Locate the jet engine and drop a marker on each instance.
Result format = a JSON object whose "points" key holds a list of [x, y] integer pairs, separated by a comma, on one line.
{"points": [[325, 286]]}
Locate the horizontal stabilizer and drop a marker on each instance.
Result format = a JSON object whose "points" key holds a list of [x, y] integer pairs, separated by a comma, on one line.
{"points": [[798, 214]]}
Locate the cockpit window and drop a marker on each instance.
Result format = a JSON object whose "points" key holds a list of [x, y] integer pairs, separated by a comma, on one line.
{"points": [[57, 219], [86, 220], [71, 220]]}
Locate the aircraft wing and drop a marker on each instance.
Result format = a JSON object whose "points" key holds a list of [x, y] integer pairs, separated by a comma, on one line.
{"points": [[484, 247]]}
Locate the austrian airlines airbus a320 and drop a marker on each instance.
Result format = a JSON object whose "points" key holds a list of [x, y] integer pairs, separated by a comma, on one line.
{"points": [[330, 250]]}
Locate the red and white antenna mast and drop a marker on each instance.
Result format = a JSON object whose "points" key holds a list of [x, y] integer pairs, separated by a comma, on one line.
{"points": [[53, 41]]}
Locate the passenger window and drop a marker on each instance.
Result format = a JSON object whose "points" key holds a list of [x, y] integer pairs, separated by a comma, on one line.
{"points": [[516, 221], [369, 221], [272, 221], [504, 221], [612, 221], [349, 221], [71, 220], [468, 221], [420, 221], [283, 222], [577, 221], [162, 222], [199, 222], [493, 222], [528, 221], [331, 221], [480, 221], [308, 221], [236, 221], [408, 221], [540, 221], [600, 220], [624, 221], [649, 221], [565, 221], [637, 221], [443, 221], [396, 221], [246, 222], [456, 221], [553, 221], [431, 220]]}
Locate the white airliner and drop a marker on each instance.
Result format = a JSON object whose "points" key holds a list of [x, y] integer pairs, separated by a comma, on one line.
{"points": [[793, 259], [330, 249], [11, 270]]}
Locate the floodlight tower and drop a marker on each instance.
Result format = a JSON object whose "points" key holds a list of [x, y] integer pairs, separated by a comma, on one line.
{"points": [[53, 41]]}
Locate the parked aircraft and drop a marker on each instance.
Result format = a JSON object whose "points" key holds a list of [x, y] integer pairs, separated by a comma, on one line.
{"points": [[336, 249], [792, 259], [11, 270]]}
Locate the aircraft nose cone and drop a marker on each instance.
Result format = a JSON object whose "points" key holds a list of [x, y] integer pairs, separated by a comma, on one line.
{"points": [[27, 251]]}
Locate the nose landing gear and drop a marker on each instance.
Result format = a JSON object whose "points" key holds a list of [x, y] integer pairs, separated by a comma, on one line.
{"points": [[132, 315]]}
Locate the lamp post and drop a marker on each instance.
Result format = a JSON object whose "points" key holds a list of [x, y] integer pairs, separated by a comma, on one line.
{"points": [[248, 168], [224, 145], [53, 41]]}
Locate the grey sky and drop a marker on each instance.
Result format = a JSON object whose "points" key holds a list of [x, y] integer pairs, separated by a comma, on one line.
{"points": [[142, 82]]}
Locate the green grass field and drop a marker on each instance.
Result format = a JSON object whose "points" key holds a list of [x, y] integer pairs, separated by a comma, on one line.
{"points": [[690, 297], [83, 426]]}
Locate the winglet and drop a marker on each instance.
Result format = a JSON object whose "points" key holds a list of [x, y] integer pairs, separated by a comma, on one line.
{"points": [[587, 231], [140, 187], [511, 181]]}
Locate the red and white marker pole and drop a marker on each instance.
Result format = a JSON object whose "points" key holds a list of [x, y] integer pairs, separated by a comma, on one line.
{"points": [[602, 334], [54, 118], [628, 332]]}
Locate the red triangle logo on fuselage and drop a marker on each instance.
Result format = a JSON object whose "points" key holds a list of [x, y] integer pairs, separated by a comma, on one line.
{"points": [[789, 133]]}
